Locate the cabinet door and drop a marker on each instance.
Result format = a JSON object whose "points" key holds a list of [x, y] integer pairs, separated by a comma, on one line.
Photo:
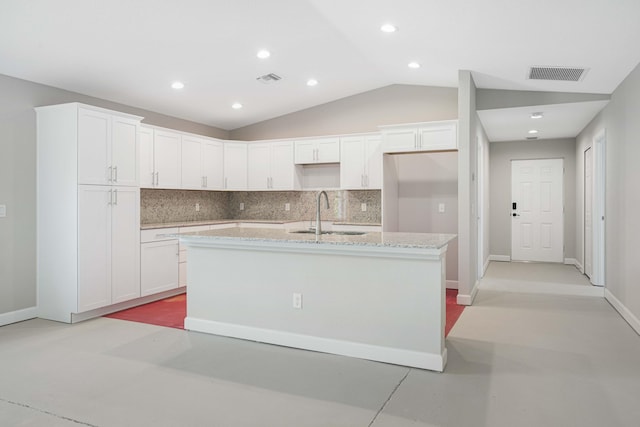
{"points": [[373, 162], [192, 178], [235, 166], [328, 150], [94, 135], [166, 159], [213, 164], [400, 140], [158, 266], [439, 137], [305, 152], [258, 177], [145, 144], [352, 163], [282, 168], [124, 151], [125, 244], [94, 246]]}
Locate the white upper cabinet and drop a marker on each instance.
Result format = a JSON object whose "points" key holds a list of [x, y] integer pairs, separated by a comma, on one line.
{"points": [[235, 166], [271, 166], [160, 158], [107, 148], [317, 150], [202, 163], [429, 136], [361, 162]]}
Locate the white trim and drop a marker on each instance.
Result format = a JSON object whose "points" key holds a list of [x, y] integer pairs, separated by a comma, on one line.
{"points": [[570, 261], [599, 208], [18, 315], [501, 258], [579, 266], [626, 314], [486, 265], [452, 284], [467, 299], [396, 356]]}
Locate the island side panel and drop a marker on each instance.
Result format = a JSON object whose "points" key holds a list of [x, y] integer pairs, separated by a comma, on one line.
{"points": [[375, 307]]}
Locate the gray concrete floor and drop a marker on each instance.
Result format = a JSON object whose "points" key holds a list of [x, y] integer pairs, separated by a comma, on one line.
{"points": [[515, 359]]}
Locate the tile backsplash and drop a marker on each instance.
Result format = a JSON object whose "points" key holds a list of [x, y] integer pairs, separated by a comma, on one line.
{"points": [[159, 206]]}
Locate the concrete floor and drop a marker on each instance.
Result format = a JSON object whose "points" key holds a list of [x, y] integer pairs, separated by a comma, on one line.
{"points": [[515, 359]]}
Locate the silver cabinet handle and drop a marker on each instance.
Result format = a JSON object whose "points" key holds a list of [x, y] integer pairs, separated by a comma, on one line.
{"points": [[157, 178], [109, 174], [115, 170]]}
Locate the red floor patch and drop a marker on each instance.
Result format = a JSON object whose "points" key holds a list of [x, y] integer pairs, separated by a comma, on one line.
{"points": [[172, 311], [167, 312]]}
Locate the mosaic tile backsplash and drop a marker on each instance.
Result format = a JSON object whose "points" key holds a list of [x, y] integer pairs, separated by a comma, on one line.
{"points": [[159, 206]]}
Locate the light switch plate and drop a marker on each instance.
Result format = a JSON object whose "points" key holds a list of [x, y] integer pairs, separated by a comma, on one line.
{"points": [[441, 207], [287, 207], [241, 206], [363, 207], [3, 211]]}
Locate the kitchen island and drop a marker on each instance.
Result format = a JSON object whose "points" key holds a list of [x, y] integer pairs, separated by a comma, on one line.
{"points": [[376, 296]]}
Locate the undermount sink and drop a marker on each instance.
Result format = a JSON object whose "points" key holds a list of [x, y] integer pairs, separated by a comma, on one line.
{"points": [[337, 233]]}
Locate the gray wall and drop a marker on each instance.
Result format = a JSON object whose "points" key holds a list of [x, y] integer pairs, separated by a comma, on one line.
{"points": [[18, 178], [621, 120], [501, 154], [424, 181], [360, 113]]}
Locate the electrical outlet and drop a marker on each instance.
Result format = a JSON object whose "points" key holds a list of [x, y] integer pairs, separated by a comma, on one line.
{"points": [[197, 207], [287, 207], [241, 206], [363, 207], [441, 207], [3, 211], [297, 300]]}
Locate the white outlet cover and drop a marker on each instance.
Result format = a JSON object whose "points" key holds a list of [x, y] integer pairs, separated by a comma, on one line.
{"points": [[287, 207], [3, 211], [241, 206], [363, 207], [441, 207]]}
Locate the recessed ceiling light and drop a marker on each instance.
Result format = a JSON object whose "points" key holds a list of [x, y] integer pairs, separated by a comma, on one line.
{"points": [[177, 85], [536, 115], [413, 65], [533, 131], [263, 54], [388, 28], [236, 106], [312, 82]]}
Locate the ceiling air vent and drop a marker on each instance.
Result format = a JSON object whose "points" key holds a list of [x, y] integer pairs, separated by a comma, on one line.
{"points": [[269, 78], [532, 137], [565, 74]]}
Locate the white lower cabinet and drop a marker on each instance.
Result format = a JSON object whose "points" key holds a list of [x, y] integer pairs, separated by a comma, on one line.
{"points": [[158, 261], [108, 259]]}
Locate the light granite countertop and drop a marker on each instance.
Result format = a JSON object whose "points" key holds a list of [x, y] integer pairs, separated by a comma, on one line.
{"points": [[370, 239], [236, 221]]}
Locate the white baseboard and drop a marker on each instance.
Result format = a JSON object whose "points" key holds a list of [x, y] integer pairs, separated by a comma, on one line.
{"points": [[502, 258], [452, 284], [396, 356], [570, 261], [18, 315], [626, 314], [486, 265], [467, 299]]}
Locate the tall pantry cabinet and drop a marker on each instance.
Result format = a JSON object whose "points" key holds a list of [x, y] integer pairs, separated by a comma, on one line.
{"points": [[88, 210]]}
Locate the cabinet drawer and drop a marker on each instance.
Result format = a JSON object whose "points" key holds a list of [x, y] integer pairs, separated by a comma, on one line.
{"points": [[157, 234]]}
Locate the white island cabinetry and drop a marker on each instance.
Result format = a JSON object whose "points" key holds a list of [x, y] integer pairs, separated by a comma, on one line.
{"points": [[382, 299]]}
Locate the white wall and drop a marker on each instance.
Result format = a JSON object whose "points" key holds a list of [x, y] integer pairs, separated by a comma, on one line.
{"points": [[363, 112], [469, 127], [424, 181], [500, 194], [621, 120]]}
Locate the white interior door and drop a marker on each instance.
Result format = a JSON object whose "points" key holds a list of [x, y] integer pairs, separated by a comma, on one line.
{"points": [[588, 212], [537, 231]]}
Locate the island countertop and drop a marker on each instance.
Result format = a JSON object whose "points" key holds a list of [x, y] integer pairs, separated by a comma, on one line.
{"points": [[370, 239]]}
